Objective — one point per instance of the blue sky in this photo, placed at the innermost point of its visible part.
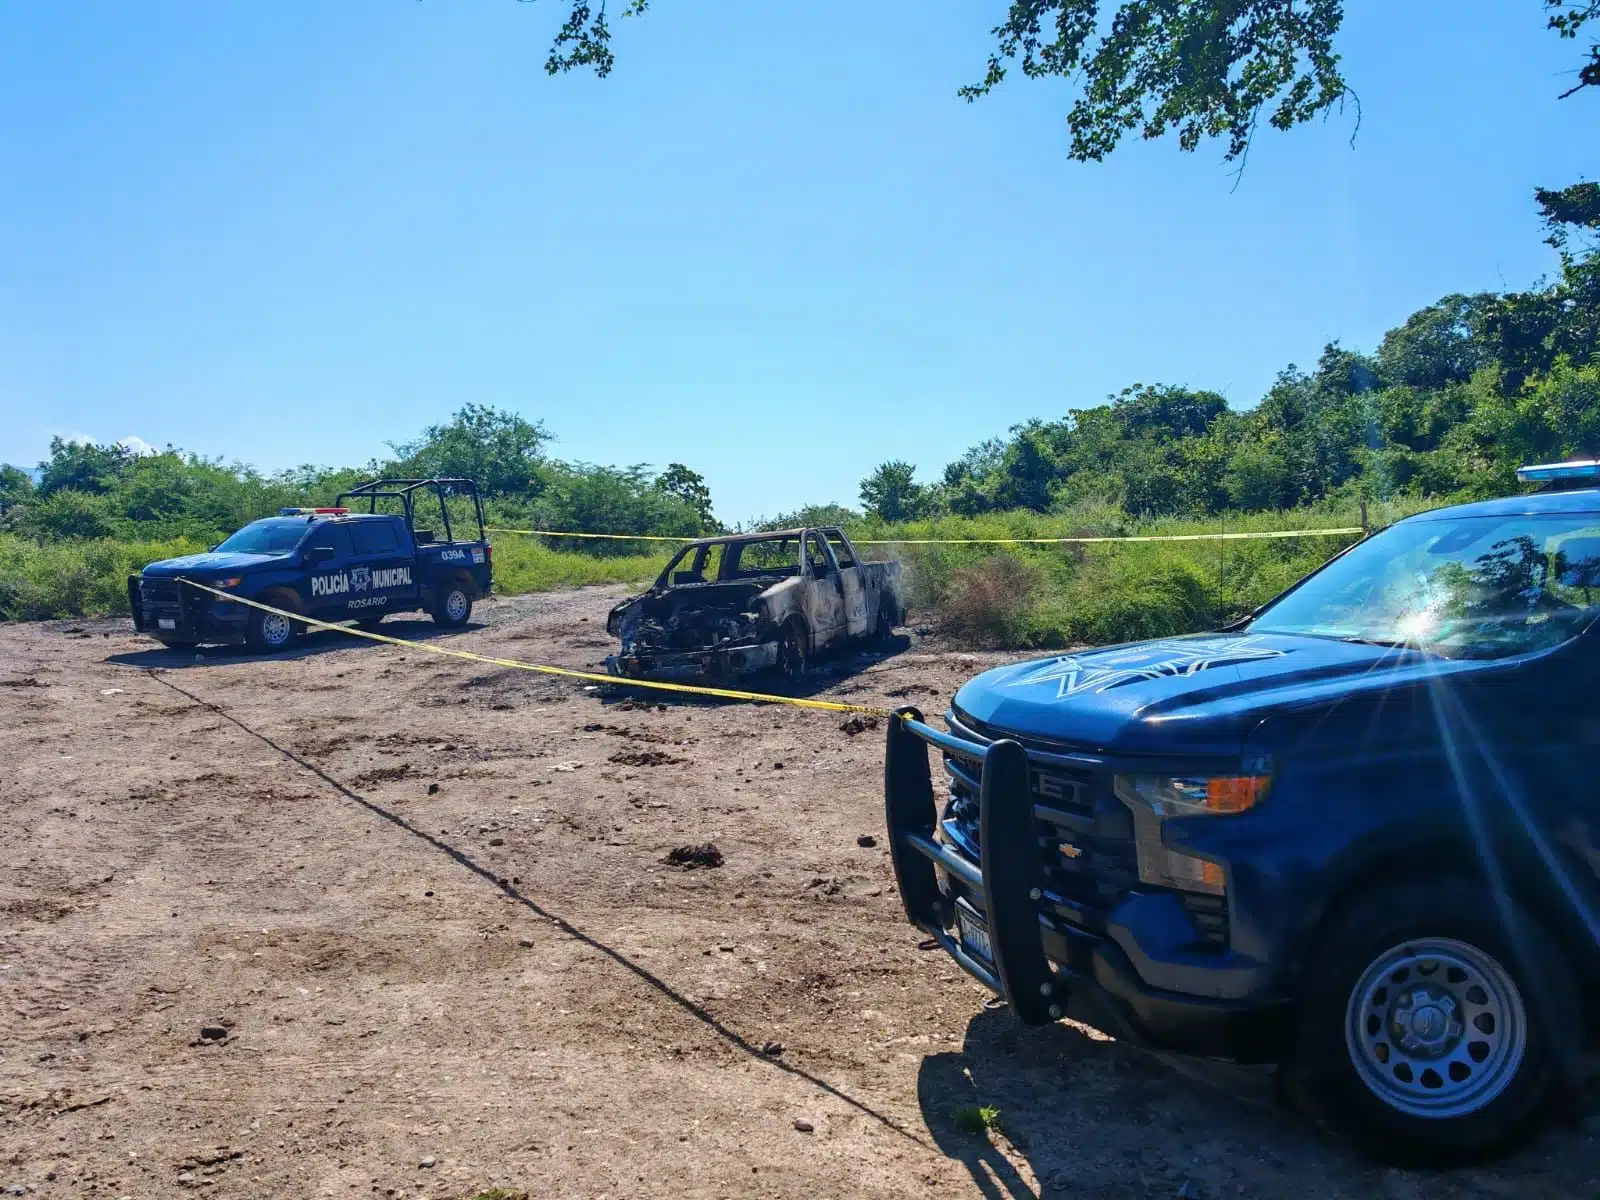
(772, 245)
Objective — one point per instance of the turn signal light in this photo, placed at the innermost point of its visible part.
(1235, 793)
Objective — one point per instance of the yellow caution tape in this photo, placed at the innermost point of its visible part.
(1091, 541)
(1007, 541)
(621, 681)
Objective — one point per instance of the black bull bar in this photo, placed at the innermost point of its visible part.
(1009, 880)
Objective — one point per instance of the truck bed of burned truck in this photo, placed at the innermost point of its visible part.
(735, 605)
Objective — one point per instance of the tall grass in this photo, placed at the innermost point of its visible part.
(1049, 596)
(89, 578)
(525, 564)
(74, 579)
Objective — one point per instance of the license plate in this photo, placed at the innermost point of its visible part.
(166, 623)
(974, 933)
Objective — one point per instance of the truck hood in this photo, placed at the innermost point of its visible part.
(208, 563)
(1198, 695)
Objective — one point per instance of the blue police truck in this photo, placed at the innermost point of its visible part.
(334, 564)
(1356, 834)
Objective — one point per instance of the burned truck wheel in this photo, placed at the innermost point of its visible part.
(794, 653)
(884, 631)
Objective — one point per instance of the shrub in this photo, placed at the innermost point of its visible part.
(987, 603)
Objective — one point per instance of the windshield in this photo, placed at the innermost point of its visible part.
(722, 562)
(1482, 587)
(272, 536)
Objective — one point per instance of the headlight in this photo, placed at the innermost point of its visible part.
(230, 581)
(1153, 798)
(1193, 795)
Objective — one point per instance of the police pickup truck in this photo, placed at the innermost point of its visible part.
(1356, 834)
(333, 563)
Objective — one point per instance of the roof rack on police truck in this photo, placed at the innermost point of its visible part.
(404, 490)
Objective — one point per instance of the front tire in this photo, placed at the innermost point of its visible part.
(1434, 1028)
(794, 655)
(269, 633)
(454, 606)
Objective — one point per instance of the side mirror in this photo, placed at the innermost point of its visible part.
(318, 555)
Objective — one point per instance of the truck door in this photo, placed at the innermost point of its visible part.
(860, 600)
(329, 589)
(383, 568)
(825, 607)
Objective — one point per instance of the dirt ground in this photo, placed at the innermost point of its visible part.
(419, 908)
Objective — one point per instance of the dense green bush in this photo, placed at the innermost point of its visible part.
(74, 579)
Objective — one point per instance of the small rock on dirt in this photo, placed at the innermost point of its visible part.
(692, 857)
(497, 841)
(212, 1033)
(803, 1125)
(859, 724)
(433, 789)
(866, 841)
(772, 1049)
(427, 1162)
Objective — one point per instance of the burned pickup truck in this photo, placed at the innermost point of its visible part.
(729, 606)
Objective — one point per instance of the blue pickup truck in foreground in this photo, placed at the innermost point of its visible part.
(333, 564)
(1356, 834)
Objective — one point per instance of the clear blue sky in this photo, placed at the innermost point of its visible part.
(773, 245)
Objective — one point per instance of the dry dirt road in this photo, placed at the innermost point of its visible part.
(366, 921)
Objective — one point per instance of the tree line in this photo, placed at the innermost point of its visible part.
(90, 491)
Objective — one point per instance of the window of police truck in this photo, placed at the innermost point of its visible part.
(1472, 587)
(271, 536)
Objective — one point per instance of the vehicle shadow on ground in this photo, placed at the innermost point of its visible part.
(310, 644)
(464, 860)
(1096, 1117)
(824, 673)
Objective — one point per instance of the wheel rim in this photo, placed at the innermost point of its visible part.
(455, 606)
(275, 630)
(1436, 1028)
(794, 654)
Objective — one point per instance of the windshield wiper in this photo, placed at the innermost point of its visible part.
(1388, 643)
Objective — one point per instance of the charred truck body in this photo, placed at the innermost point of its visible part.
(731, 606)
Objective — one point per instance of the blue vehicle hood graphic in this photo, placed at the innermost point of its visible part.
(210, 563)
(1198, 695)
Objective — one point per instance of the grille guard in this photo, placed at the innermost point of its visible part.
(1010, 878)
